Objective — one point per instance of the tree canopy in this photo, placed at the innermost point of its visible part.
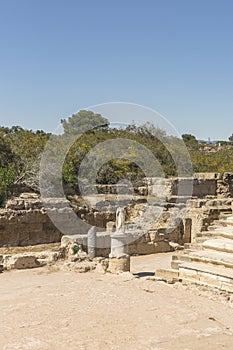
(190, 141)
(82, 122)
(21, 151)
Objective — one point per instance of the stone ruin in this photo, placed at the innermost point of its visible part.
(24, 220)
(207, 260)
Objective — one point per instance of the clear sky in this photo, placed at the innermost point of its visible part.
(174, 56)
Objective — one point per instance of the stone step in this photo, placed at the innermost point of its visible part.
(199, 273)
(192, 246)
(201, 240)
(205, 234)
(228, 229)
(219, 257)
(204, 274)
(216, 233)
(224, 215)
(223, 245)
(215, 227)
(205, 256)
(190, 250)
(223, 223)
(219, 223)
(167, 274)
(175, 264)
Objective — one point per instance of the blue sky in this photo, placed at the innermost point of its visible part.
(174, 56)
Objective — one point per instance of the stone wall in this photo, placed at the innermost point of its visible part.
(24, 220)
(204, 184)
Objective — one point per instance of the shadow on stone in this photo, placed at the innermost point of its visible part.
(144, 274)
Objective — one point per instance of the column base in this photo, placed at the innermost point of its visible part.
(118, 265)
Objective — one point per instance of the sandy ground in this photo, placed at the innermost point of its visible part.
(49, 310)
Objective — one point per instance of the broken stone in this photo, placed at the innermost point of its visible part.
(20, 261)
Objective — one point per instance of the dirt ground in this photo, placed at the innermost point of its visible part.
(46, 309)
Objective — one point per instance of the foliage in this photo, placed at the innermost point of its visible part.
(75, 249)
(7, 178)
(7, 156)
(220, 161)
(190, 141)
(82, 122)
(21, 150)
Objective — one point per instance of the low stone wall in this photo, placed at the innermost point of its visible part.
(24, 220)
(24, 228)
(139, 246)
(202, 184)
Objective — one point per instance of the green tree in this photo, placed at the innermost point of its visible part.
(7, 156)
(82, 122)
(7, 178)
(22, 149)
(190, 141)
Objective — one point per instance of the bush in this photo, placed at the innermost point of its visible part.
(7, 177)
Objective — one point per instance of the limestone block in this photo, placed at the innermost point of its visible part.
(146, 248)
(226, 286)
(175, 246)
(162, 247)
(103, 252)
(29, 195)
(20, 261)
(118, 265)
(133, 248)
(209, 279)
(47, 257)
(185, 273)
(102, 265)
(225, 279)
(224, 245)
(167, 274)
(82, 255)
(67, 240)
(15, 204)
(175, 264)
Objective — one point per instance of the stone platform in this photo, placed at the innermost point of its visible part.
(208, 261)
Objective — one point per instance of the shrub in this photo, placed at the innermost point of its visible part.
(7, 177)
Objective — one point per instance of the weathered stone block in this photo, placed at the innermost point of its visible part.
(20, 261)
(119, 265)
(185, 273)
(209, 279)
(167, 274)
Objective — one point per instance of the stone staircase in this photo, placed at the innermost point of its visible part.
(207, 261)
